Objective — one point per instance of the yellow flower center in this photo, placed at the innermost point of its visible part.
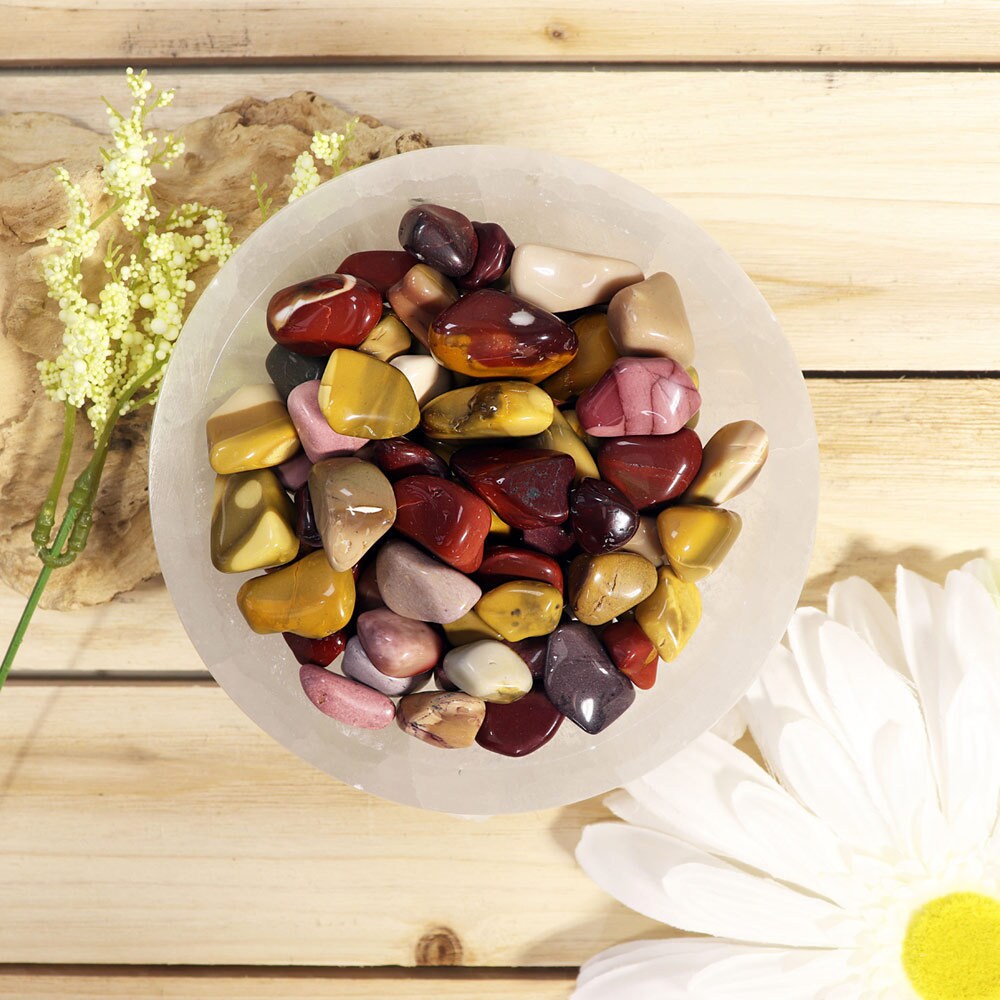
(952, 948)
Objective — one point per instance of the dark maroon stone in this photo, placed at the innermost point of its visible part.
(527, 487)
(305, 520)
(400, 457)
(367, 596)
(651, 470)
(440, 237)
(319, 651)
(520, 728)
(502, 563)
(533, 652)
(492, 258)
(380, 268)
(554, 539)
(602, 517)
(582, 682)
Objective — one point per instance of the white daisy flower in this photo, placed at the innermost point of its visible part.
(868, 866)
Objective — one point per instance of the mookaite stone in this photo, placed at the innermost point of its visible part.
(489, 670)
(602, 517)
(380, 268)
(400, 457)
(388, 340)
(419, 296)
(361, 396)
(286, 369)
(415, 585)
(426, 377)
(488, 410)
(489, 334)
(646, 541)
(527, 487)
(308, 597)
(492, 256)
(305, 520)
(638, 396)
(448, 520)
(398, 646)
(441, 237)
(670, 615)
(507, 562)
(469, 628)
(319, 440)
(448, 720)
(596, 353)
(357, 665)
(632, 652)
(369, 596)
(316, 316)
(293, 473)
(582, 682)
(521, 609)
(533, 651)
(322, 651)
(354, 506)
(560, 436)
(251, 430)
(252, 523)
(560, 280)
(650, 318)
(520, 728)
(345, 700)
(553, 539)
(603, 587)
(696, 539)
(651, 470)
(730, 463)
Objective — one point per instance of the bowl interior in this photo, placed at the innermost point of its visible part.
(747, 370)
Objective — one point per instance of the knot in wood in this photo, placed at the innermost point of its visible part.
(440, 946)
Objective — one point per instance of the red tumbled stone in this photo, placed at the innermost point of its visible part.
(527, 487)
(441, 237)
(632, 652)
(521, 727)
(400, 457)
(446, 519)
(492, 258)
(380, 268)
(506, 562)
(554, 539)
(651, 470)
(322, 651)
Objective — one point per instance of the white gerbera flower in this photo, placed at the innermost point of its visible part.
(869, 865)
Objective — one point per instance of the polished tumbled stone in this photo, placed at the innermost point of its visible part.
(415, 585)
(650, 318)
(357, 665)
(603, 587)
(319, 439)
(251, 430)
(731, 461)
(448, 720)
(561, 436)
(697, 539)
(252, 523)
(595, 354)
(427, 378)
(520, 728)
(603, 519)
(489, 670)
(441, 237)
(670, 615)
(286, 369)
(651, 470)
(489, 410)
(388, 340)
(346, 700)
(521, 609)
(398, 646)
(492, 256)
(419, 296)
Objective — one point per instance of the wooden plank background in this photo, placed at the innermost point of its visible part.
(145, 820)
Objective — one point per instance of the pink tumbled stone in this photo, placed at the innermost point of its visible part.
(295, 472)
(319, 439)
(639, 396)
(345, 700)
(398, 646)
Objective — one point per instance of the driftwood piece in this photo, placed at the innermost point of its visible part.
(222, 152)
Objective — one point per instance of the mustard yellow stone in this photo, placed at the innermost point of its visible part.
(308, 598)
(595, 355)
(252, 523)
(521, 609)
(388, 340)
(469, 628)
(498, 526)
(670, 615)
(560, 436)
(696, 539)
(603, 587)
(577, 428)
(361, 396)
(488, 410)
(251, 430)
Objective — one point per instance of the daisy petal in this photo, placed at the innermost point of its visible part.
(987, 572)
(973, 625)
(858, 605)
(706, 969)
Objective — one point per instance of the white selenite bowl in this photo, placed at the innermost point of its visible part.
(747, 370)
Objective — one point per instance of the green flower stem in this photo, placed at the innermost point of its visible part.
(46, 519)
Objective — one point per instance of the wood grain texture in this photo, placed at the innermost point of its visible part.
(909, 471)
(863, 204)
(248, 983)
(149, 31)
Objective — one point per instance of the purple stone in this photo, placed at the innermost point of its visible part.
(534, 652)
(582, 682)
(295, 472)
(439, 237)
(358, 666)
(492, 258)
(602, 517)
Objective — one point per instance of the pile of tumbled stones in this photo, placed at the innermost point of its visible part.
(475, 471)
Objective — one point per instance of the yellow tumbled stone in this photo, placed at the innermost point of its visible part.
(488, 410)
(577, 428)
(602, 587)
(388, 340)
(498, 526)
(308, 598)
(670, 615)
(252, 523)
(595, 355)
(521, 609)
(560, 436)
(696, 539)
(469, 628)
(251, 430)
(361, 396)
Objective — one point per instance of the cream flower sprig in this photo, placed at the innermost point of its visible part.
(864, 862)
